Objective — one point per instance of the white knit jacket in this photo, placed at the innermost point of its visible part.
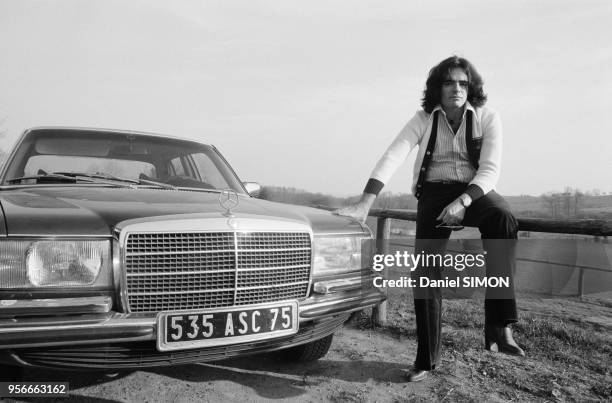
(417, 131)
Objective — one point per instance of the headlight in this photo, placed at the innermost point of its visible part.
(54, 263)
(334, 255)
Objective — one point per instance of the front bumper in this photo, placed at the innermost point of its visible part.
(143, 354)
(78, 321)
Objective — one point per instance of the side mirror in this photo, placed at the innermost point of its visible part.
(252, 188)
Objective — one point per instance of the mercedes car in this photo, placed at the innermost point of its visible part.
(127, 250)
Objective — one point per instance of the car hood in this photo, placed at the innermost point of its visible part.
(96, 211)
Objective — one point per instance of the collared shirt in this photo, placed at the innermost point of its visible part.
(450, 160)
(487, 125)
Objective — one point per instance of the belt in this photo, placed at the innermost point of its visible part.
(446, 183)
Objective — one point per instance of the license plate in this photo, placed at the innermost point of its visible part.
(180, 330)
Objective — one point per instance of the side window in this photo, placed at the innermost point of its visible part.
(209, 173)
(176, 167)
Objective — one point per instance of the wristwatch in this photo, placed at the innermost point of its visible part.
(465, 200)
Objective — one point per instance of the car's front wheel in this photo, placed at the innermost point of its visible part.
(10, 373)
(308, 352)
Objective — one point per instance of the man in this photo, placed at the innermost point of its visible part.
(457, 167)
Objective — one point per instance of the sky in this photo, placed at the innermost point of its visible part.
(308, 94)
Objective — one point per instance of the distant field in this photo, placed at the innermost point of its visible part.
(596, 206)
(567, 205)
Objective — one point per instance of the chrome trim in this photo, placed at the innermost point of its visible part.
(220, 341)
(312, 263)
(118, 327)
(207, 223)
(326, 287)
(111, 184)
(204, 252)
(342, 302)
(235, 269)
(177, 292)
(97, 304)
(121, 276)
(204, 223)
(274, 249)
(295, 266)
(273, 285)
(170, 273)
(228, 202)
(112, 320)
(47, 237)
(142, 328)
(335, 234)
(150, 357)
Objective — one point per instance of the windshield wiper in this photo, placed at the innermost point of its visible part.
(106, 176)
(97, 176)
(105, 179)
(47, 176)
(158, 184)
(74, 177)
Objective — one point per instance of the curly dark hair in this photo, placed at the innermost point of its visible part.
(439, 73)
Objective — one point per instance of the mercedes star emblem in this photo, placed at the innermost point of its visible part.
(228, 199)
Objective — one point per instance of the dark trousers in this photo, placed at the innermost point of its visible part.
(491, 214)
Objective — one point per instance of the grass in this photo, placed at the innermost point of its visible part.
(567, 358)
(579, 345)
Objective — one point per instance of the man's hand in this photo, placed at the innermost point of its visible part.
(452, 214)
(359, 210)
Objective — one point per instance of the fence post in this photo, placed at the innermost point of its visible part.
(596, 239)
(581, 282)
(383, 232)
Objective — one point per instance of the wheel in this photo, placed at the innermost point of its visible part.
(308, 352)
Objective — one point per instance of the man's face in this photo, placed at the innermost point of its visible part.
(455, 89)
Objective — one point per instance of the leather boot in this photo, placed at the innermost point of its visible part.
(499, 339)
(416, 375)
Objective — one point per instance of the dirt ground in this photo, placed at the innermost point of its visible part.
(365, 364)
(362, 365)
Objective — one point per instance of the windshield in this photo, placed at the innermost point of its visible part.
(134, 157)
(90, 165)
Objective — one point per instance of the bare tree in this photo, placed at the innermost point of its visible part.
(563, 204)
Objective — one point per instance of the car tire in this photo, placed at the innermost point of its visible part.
(11, 373)
(308, 352)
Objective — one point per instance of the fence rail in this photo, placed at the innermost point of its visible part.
(594, 227)
(566, 226)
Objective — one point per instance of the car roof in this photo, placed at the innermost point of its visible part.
(106, 131)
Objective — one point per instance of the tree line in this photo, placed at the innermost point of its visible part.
(570, 203)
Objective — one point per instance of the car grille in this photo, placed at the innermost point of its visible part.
(171, 271)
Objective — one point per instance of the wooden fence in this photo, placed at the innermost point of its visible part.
(597, 228)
